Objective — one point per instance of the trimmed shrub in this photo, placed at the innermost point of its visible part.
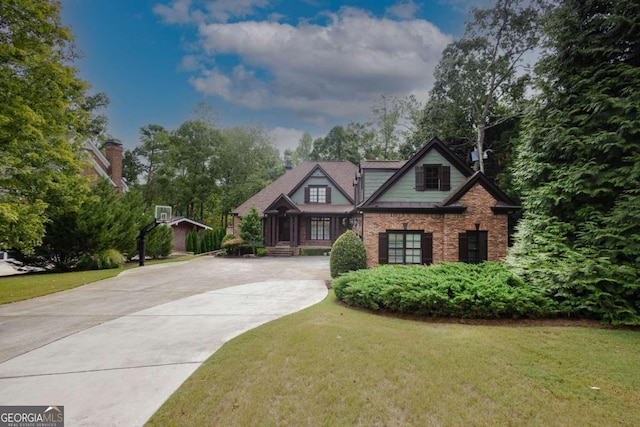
(314, 251)
(484, 291)
(261, 252)
(347, 254)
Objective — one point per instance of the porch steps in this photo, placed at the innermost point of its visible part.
(280, 251)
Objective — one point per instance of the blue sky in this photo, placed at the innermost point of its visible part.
(288, 65)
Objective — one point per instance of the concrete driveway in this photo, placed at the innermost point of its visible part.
(113, 351)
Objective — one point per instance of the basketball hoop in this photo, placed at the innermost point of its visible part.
(163, 214)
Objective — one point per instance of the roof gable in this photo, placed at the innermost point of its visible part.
(341, 174)
(283, 202)
(433, 144)
(502, 200)
(312, 173)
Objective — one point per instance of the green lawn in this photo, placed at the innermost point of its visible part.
(32, 285)
(330, 365)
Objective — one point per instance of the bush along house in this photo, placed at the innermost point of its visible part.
(432, 208)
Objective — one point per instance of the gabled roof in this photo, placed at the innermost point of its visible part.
(282, 201)
(433, 144)
(318, 167)
(340, 173)
(180, 219)
(503, 202)
(382, 164)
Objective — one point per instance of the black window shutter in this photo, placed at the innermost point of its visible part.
(427, 248)
(383, 248)
(445, 179)
(463, 247)
(483, 245)
(328, 195)
(419, 178)
(307, 196)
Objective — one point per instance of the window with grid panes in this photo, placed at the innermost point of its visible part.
(318, 194)
(320, 229)
(405, 248)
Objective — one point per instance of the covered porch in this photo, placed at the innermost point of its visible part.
(288, 227)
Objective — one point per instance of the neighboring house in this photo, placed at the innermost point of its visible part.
(429, 209)
(181, 226)
(310, 205)
(432, 208)
(107, 166)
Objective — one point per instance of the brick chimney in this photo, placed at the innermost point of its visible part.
(113, 151)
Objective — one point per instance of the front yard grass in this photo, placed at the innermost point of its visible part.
(330, 365)
(31, 285)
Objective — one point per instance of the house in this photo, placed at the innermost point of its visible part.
(431, 208)
(107, 166)
(309, 206)
(181, 226)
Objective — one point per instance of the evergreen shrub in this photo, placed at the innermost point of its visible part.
(485, 291)
(347, 254)
(160, 242)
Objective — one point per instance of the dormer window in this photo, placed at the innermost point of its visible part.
(317, 194)
(433, 177)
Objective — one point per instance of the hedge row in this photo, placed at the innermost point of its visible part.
(488, 290)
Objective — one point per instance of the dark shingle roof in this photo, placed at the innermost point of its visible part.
(382, 164)
(341, 172)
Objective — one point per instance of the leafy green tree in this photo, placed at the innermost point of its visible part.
(193, 152)
(150, 159)
(251, 229)
(41, 114)
(579, 163)
(302, 151)
(395, 120)
(477, 83)
(246, 163)
(335, 146)
(131, 167)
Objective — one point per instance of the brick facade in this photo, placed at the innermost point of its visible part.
(445, 227)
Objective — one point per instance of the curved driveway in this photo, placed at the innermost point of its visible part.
(113, 351)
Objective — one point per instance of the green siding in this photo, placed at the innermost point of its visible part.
(318, 178)
(404, 189)
(373, 179)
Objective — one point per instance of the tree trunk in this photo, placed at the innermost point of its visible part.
(480, 145)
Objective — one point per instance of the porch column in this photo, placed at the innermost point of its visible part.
(294, 231)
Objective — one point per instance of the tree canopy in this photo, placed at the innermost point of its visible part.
(579, 162)
(41, 120)
(478, 83)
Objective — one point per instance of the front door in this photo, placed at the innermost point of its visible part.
(284, 229)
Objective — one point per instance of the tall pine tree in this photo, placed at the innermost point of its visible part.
(579, 163)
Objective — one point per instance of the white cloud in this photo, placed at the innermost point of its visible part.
(404, 9)
(185, 11)
(177, 13)
(317, 71)
(286, 138)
